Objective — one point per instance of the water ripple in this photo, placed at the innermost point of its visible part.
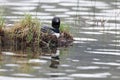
(57, 10)
(85, 39)
(95, 75)
(32, 13)
(107, 63)
(103, 53)
(3, 70)
(18, 4)
(15, 78)
(87, 67)
(62, 78)
(24, 8)
(21, 74)
(47, 6)
(59, 74)
(37, 61)
(12, 65)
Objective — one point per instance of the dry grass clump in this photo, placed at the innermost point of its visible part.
(27, 27)
(26, 31)
(2, 25)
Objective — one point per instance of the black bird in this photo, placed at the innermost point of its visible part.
(54, 29)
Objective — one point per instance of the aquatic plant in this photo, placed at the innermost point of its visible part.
(2, 25)
(64, 27)
(27, 29)
(27, 33)
(2, 22)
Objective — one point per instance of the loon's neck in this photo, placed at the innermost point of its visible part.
(56, 32)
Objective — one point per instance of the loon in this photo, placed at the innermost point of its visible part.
(54, 30)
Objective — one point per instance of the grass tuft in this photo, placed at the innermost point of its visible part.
(2, 22)
(64, 27)
(27, 29)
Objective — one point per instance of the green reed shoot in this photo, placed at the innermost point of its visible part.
(64, 27)
(2, 22)
(33, 24)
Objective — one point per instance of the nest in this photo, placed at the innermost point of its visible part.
(27, 33)
(21, 38)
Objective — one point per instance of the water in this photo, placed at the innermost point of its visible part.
(93, 56)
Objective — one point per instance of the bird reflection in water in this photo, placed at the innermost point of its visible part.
(55, 59)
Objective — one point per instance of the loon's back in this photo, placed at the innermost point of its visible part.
(47, 29)
(50, 30)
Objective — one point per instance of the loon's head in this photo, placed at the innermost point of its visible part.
(56, 24)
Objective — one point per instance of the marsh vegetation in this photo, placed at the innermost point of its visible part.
(27, 33)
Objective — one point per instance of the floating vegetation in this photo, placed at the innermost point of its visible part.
(27, 33)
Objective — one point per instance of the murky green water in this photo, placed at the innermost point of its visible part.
(93, 56)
